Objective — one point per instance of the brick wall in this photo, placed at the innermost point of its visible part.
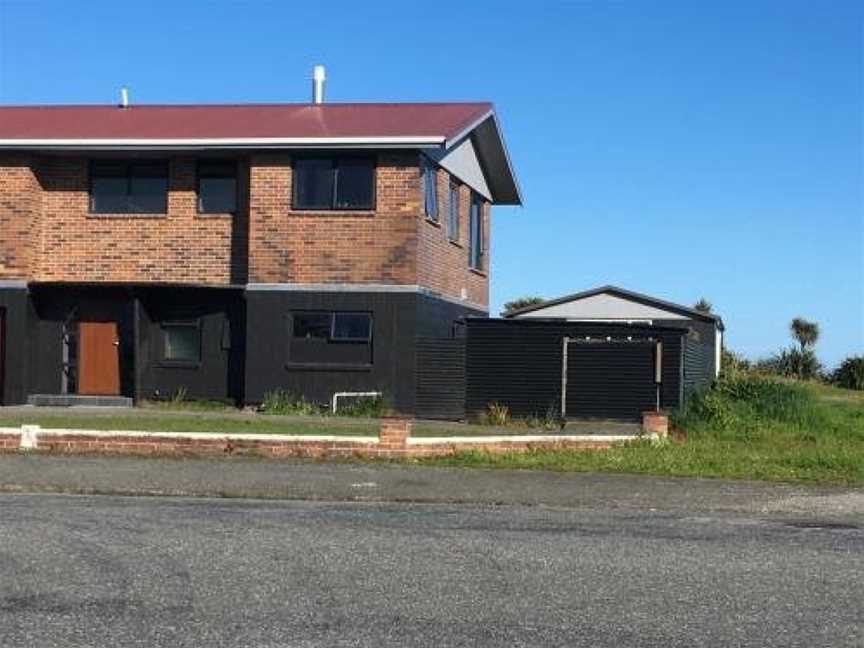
(48, 234)
(181, 246)
(442, 263)
(20, 209)
(334, 246)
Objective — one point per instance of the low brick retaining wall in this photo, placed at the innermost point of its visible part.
(394, 440)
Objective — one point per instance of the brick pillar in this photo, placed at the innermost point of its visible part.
(394, 432)
(654, 422)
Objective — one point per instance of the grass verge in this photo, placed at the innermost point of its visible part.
(745, 427)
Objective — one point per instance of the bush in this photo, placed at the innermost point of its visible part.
(497, 414)
(746, 401)
(850, 373)
(363, 406)
(791, 363)
(284, 402)
(732, 363)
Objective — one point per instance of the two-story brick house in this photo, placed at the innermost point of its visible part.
(229, 250)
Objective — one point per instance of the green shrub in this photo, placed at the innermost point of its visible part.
(746, 401)
(284, 402)
(363, 406)
(497, 414)
(732, 363)
(791, 363)
(850, 373)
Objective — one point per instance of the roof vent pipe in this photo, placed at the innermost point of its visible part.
(318, 78)
(124, 97)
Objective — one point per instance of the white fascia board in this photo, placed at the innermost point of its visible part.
(226, 142)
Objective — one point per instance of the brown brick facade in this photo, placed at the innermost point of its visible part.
(20, 210)
(288, 246)
(181, 246)
(48, 234)
(442, 264)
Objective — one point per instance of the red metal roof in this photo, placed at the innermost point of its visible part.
(239, 121)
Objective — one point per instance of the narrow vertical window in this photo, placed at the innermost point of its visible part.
(475, 250)
(453, 212)
(429, 175)
(217, 187)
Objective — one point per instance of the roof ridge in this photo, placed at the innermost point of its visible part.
(257, 104)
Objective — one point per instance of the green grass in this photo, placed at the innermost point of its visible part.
(745, 428)
(172, 422)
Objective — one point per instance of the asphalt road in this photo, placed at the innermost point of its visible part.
(143, 571)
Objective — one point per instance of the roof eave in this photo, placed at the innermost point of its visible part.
(210, 143)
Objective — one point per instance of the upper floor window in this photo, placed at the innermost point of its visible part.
(429, 176)
(217, 186)
(126, 187)
(334, 183)
(453, 212)
(475, 246)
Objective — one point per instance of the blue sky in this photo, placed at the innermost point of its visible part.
(680, 149)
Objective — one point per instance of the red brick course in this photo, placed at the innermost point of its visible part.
(393, 442)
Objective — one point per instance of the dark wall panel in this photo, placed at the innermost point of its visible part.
(440, 378)
(399, 318)
(16, 361)
(698, 365)
(220, 313)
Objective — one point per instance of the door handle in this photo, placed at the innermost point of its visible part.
(116, 343)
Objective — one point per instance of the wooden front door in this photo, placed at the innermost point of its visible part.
(98, 359)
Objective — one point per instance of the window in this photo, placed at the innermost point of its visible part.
(354, 327)
(338, 326)
(429, 176)
(453, 212)
(313, 325)
(475, 250)
(182, 341)
(217, 187)
(334, 183)
(327, 337)
(122, 187)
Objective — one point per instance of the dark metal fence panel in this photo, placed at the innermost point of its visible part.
(440, 378)
(610, 380)
(518, 362)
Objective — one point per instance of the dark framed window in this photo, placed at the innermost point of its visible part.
(475, 245)
(334, 183)
(217, 187)
(429, 180)
(311, 326)
(331, 337)
(453, 211)
(128, 187)
(181, 341)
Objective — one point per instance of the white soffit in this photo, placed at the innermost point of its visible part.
(603, 306)
(462, 161)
